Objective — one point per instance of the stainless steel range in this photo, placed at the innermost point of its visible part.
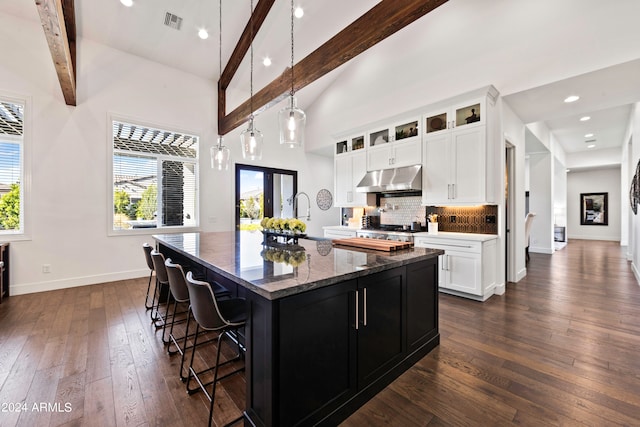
(388, 232)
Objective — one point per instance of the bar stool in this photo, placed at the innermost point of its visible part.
(162, 290)
(147, 255)
(180, 293)
(222, 316)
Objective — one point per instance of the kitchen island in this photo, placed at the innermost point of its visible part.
(328, 327)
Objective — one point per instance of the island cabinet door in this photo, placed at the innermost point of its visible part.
(317, 352)
(422, 303)
(381, 337)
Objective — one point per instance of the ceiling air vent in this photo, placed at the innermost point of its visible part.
(590, 141)
(173, 21)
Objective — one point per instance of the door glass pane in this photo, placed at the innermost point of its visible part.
(283, 196)
(251, 199)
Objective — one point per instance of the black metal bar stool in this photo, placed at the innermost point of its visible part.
(180, 293)
(162, 291)
(222, 316)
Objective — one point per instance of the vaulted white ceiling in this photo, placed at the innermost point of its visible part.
(606, 89)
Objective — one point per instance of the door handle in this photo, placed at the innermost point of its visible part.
(365, 306)
(357, 310)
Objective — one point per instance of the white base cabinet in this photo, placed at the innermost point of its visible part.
(467, 268)
(343, 233)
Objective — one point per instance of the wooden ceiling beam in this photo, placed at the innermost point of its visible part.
(380, 22)
(258, 16)
(59, 25)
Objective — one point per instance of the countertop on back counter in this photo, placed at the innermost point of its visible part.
(457, 236)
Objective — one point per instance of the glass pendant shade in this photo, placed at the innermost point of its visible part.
(292, 122)
(220, 156)
(252, 141)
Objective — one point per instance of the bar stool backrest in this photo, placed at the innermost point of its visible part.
(177, 281)
(203, 305)
(147, 255)
(158, 265)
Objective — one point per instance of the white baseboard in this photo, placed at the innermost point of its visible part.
(52, 285)
(521, 274)
(500, 289)
(539, 250)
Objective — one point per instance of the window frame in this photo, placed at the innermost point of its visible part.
(159, 158)
(23, 233)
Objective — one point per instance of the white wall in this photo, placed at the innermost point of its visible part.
(594, 181)
(68, 205)
(541, 202)
(514, 133)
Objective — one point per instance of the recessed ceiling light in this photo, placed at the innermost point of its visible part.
(588, 135)
(127, 3)
(572, 98)
(591, 145)
(585, 118)
(298, 12)
(266, 61)
(203, 34)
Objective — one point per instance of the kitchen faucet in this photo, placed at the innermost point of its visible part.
(293, 200)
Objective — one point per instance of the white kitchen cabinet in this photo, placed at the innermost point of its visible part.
(339, 233)
(455, 168)
(394, 155)
(461, 153)
(467, 268)
(396, 146)
(349, 169)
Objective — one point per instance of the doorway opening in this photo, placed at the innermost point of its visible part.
(263, 192)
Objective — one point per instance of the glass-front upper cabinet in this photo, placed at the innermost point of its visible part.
(460, 115)
(350, 144)
(406, 130)
(378, 138)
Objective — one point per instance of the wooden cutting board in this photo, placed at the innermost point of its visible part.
(379, 245)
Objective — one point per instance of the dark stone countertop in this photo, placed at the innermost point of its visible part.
(277, 272)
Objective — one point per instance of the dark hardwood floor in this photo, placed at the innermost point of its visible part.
(561, 347)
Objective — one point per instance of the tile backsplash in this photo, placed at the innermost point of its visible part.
(458, 219)
(399, 210)
(466, 219)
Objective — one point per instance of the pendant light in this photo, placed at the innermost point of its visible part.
(251, 139)
(220, 153)
(292, 119)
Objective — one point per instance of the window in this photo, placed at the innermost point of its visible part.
(11, 167)
(155, 175)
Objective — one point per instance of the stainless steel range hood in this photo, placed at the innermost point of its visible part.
(408, 178)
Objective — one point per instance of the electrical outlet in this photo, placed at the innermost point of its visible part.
(490, 219)
(46, 268)
(452, 218)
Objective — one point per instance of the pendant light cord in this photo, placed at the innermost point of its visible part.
(292, 90)
(251, 67)
(219, 58)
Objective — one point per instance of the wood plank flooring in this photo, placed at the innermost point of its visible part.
(561, 347)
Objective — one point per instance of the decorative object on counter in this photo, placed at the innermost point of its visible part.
(251, 139)
(374, 244)
(466, 219)
(220, 153)
(292, 119)
(282, 230)
(432, 225)
(324, 199)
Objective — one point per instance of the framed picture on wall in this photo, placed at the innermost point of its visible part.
(594, 209)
